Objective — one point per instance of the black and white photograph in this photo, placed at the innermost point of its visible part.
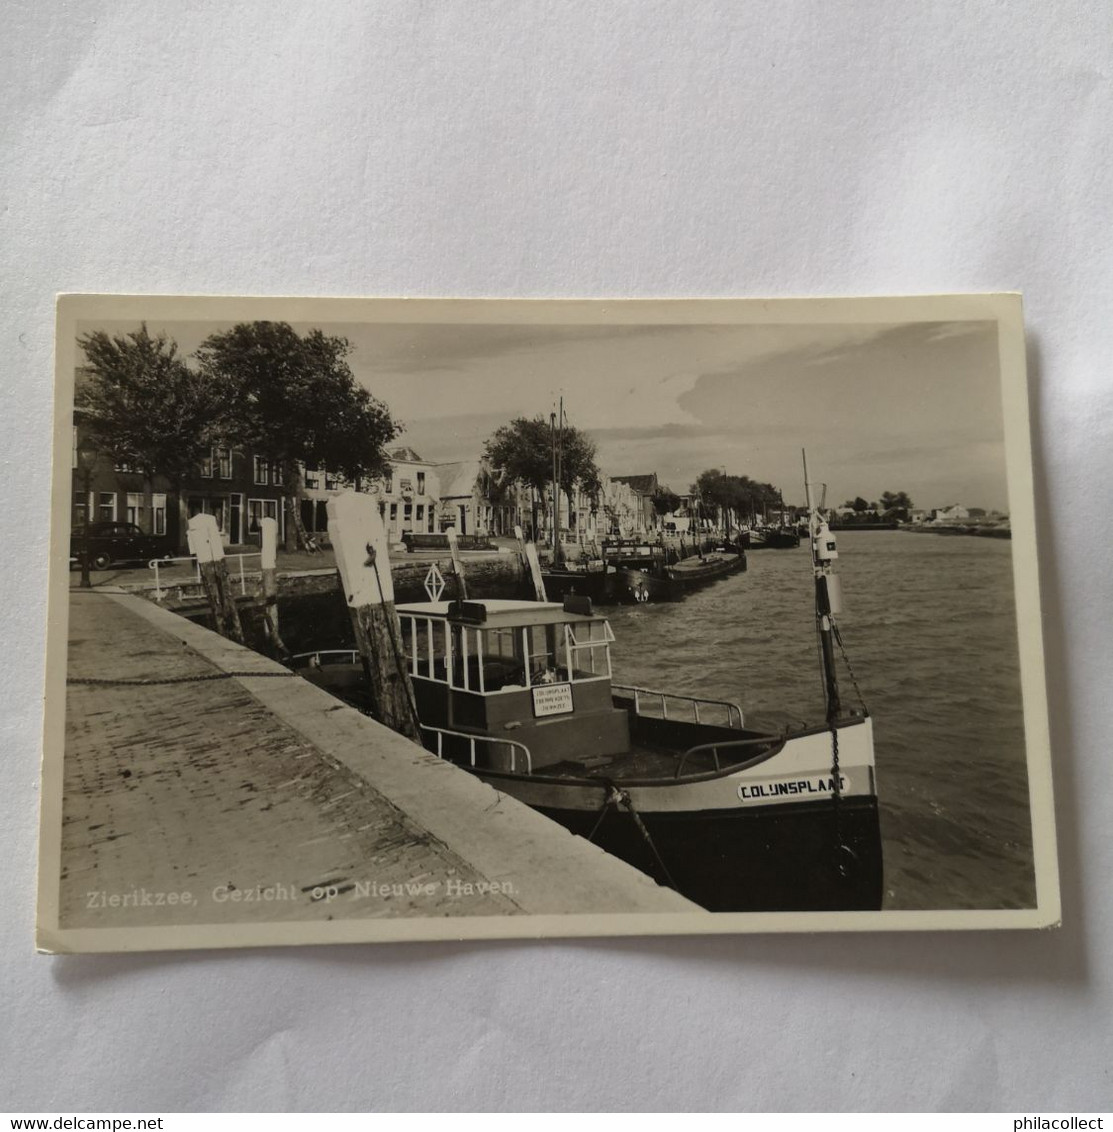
(385, 620)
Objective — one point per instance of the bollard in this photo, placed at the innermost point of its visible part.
(359, 540)
(457, 564)
(204, 543)
(269, 585)
(528, 551)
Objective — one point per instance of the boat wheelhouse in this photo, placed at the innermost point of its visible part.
(521, 694)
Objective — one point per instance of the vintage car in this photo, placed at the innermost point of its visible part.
(117, 542)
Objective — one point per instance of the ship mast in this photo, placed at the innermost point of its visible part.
(828, 596)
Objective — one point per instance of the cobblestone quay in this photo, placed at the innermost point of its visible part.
(229, 791)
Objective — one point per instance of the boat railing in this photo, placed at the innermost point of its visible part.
(727, 745)
(326, 656)
(695, 704)
(473, 739)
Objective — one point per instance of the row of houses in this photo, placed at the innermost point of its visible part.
(239, 488)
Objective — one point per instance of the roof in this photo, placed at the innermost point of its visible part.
(499, 612)
(458, 479)
(406, 454)
(644, 484)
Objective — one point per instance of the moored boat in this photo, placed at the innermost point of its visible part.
(736, 818)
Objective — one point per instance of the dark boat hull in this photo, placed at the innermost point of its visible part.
(772, 859)
(598, 585)
(692, 572)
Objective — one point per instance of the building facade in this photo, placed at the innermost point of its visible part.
(236, 487)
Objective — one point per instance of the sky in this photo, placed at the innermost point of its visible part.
(911, 407)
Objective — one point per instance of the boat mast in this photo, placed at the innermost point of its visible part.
(827, 595)
(556, 486)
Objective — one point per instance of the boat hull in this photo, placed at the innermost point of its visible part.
(598, 585)
(769, 859)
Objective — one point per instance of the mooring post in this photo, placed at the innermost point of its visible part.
(532, 564)
(203, 537)
(360, 543)
(457, 564)
(269, 584)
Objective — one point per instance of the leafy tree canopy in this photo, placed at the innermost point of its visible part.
(523, 450)
(737, 493)
(665, 502)
(293, 398)
(143, 406)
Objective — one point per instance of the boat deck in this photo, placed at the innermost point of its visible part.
(644, 761)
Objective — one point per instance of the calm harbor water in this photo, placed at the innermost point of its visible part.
(930, 629)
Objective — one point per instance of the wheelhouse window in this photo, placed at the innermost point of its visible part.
(511, 658)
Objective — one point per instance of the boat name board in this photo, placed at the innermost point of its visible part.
(784, 789)
(552, 699)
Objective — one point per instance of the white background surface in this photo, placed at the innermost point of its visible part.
(574, 149)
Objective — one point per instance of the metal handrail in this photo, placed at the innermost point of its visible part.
(513, 744)
(732, 709)
(729, 744)
(351, 654)
(155, 563)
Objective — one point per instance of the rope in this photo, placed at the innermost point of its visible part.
(616, 797)
(171, 679)
(410, 702)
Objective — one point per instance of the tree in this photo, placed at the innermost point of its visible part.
(896, 505)
(294, 401)
(144, 407)
(859, 504)
(665, 502)
(522, 451)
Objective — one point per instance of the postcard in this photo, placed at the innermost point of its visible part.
(407, 619)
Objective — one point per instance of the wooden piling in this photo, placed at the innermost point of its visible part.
(203, 537)
(457, 564)
(269, 586)
(360, 543)
(532, 564)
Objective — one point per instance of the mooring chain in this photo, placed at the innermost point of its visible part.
(147, 682)
(849, 666)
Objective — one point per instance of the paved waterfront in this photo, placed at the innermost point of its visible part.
(264, 785)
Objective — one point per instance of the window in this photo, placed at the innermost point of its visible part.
(207, 465)
(420, 484)
(82, 505)
(313, 478)
(106, 507)
(158, 509)
(420, 513)
(123, 466)
(260, 509)
(388, 481)
(224, 463)
(262, 471)
(408, 512)
(135, 508)
(332, 481)
(393, 512)
(382, 510)
(74, 452)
